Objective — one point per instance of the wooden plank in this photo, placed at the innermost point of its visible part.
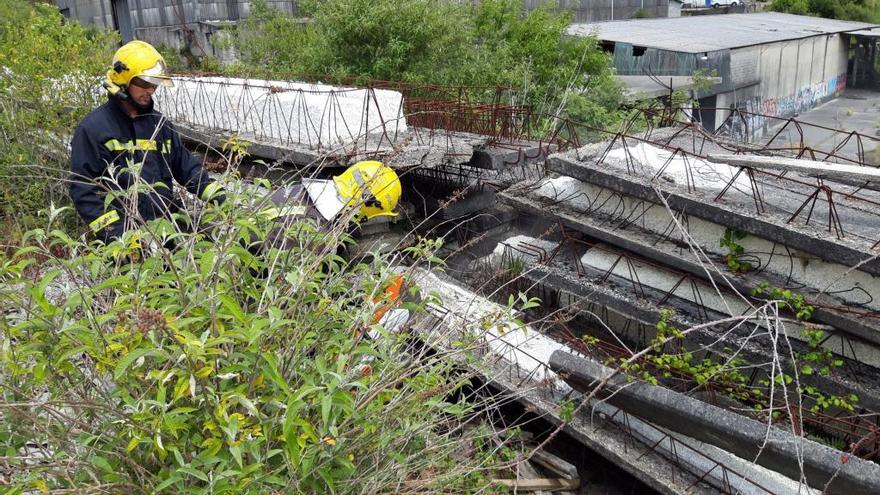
(526, 471)
(824, 170)
(555, 464)
(539, 484)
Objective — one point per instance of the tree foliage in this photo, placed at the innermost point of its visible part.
(852, 10)
(49, 72)
(493, 42)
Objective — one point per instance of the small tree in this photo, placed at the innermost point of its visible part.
(50, 73)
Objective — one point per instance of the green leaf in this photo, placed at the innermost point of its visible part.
(174, 478)
(132, 444)
(326, 407)
(232, 306)
(102, 464)
(195, 473)
(235, 450)
(270, 369)
(130, 358)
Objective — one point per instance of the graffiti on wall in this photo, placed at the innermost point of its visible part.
(756, 110)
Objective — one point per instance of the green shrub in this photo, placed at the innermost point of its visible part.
(854, 10)
(216, 367)
(492, 42)
(49, 76)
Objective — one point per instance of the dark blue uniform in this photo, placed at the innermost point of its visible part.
(108, 135)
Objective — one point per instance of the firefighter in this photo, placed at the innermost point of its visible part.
(368, 189)
(126, 138)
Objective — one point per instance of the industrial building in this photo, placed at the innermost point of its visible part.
(180, 25)
(769, 63)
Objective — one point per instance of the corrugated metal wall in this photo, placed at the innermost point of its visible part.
(605, 10)
(160, 13)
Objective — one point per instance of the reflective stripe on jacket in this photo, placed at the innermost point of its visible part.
(108, 135)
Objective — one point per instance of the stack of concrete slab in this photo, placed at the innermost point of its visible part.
(638, 229)
(662, 206)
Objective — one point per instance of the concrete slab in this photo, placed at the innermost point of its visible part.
(694, 456)
(495, 325)
(738, 475)
(711, 297)
(789, 264)
(735, 212)
(314, 115)
(835, 172)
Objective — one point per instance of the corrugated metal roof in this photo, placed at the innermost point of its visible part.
(868, 33)
(707, 33)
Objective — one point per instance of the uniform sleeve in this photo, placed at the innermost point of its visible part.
(86, 168)
(189, 173)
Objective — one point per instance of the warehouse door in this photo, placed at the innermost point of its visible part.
(122, 19)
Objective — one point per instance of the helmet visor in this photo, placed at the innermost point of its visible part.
(156, 75)
(156, 80)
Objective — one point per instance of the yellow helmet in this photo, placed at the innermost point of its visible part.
(136, 59)
(371, 186)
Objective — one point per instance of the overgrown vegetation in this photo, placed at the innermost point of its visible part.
(852, 10)
(431, 41)
(669, 359)
(220, 365)
(49, 74)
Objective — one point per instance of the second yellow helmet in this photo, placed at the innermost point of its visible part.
(371, 186)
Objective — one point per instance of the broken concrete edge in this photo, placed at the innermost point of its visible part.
(648, 315)
(771, 447)
(718, 213)
(850, 324)
(296, 155)
(539, 394)
(500, 157)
